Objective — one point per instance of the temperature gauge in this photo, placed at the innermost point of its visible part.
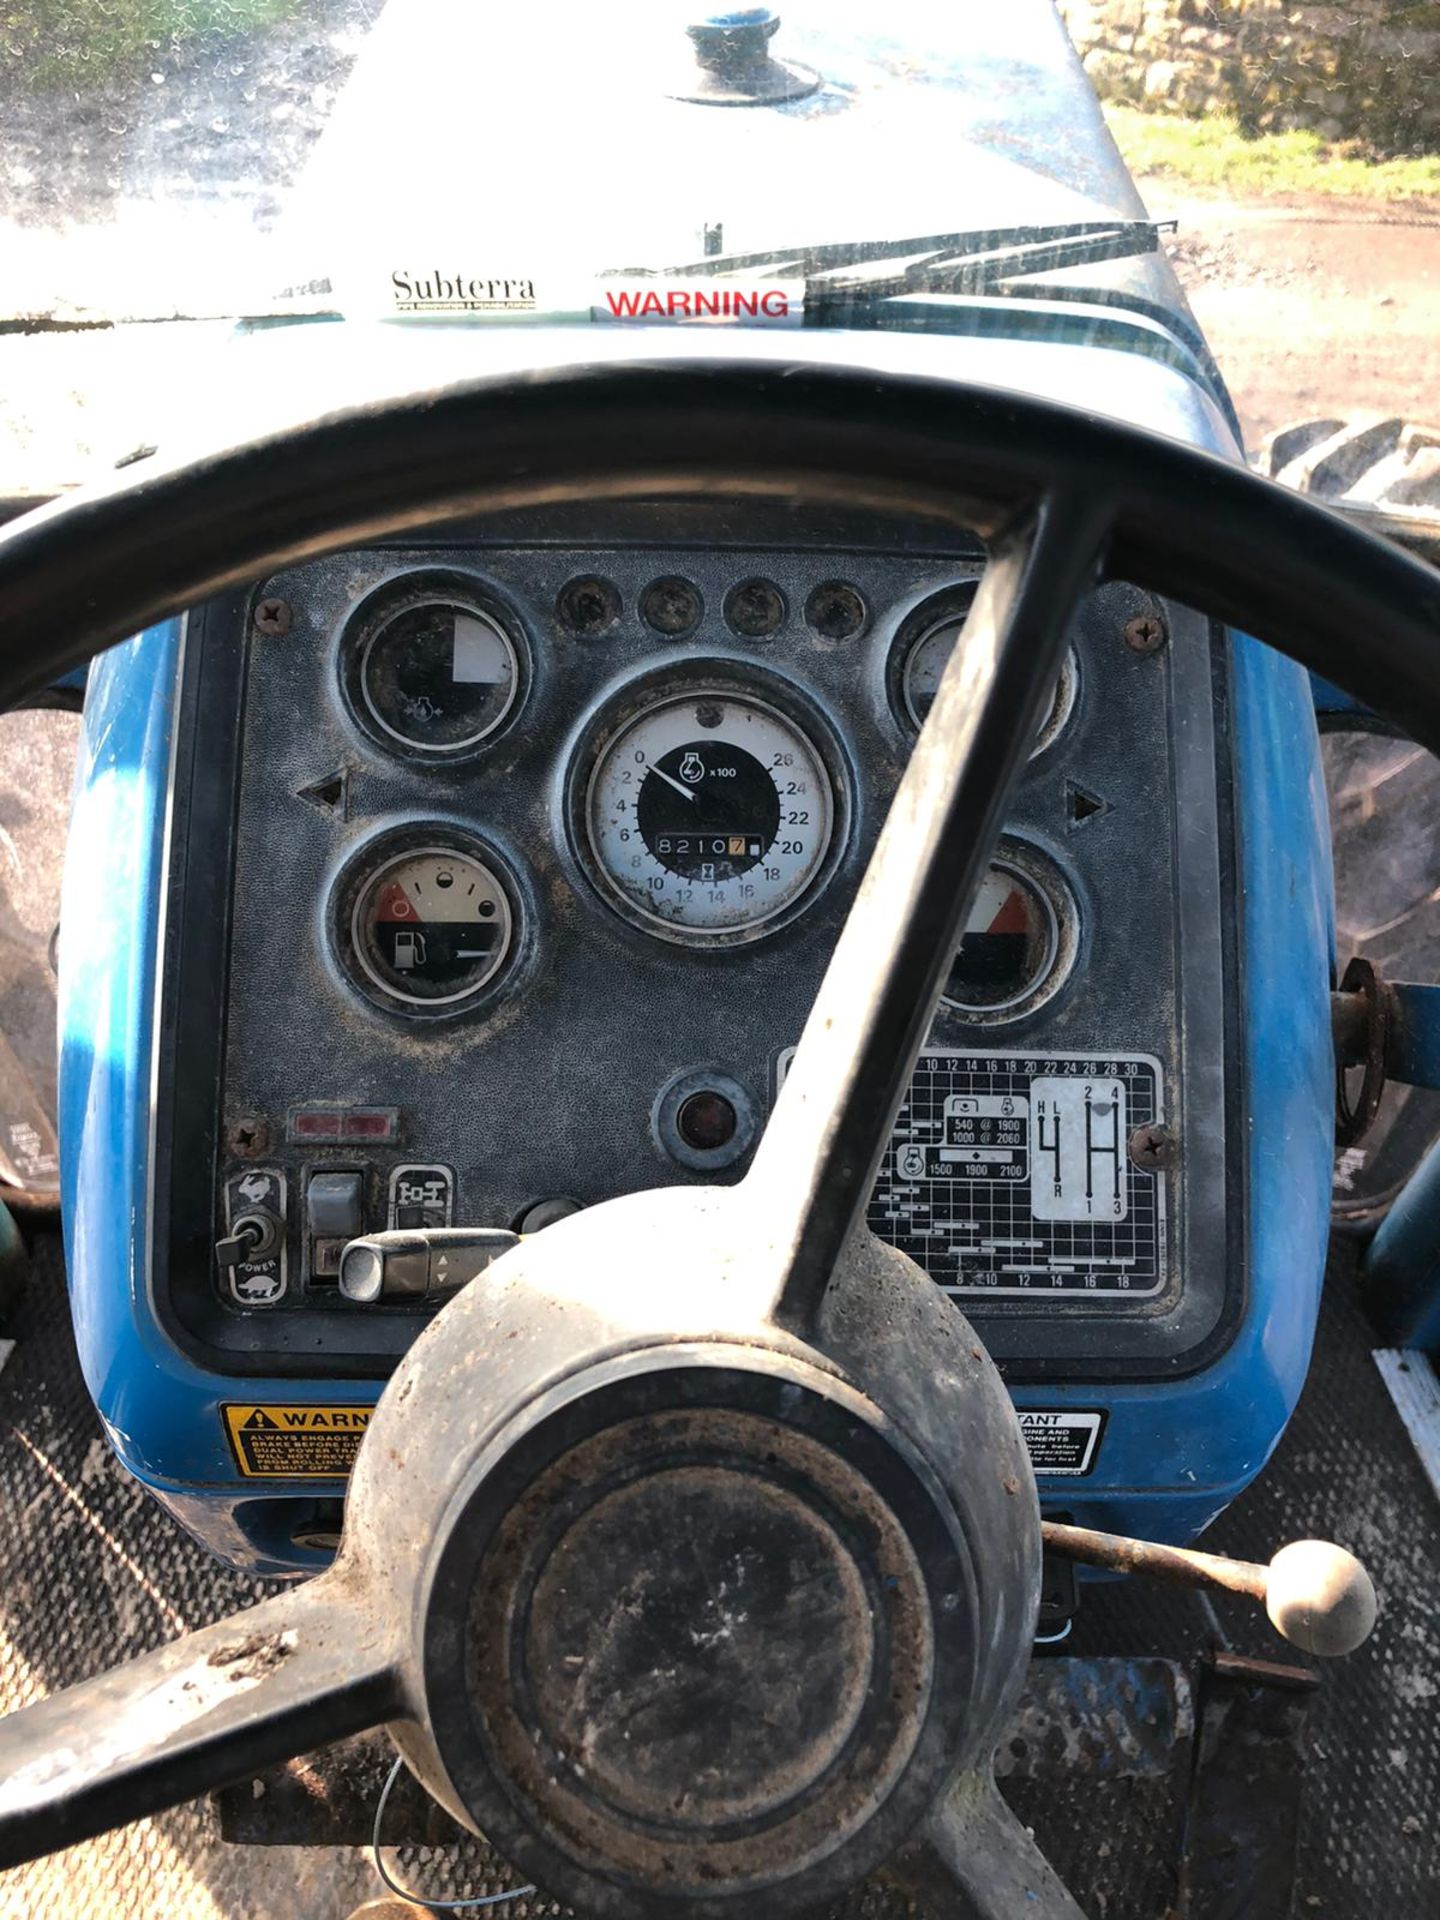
(434, 672)
(426, 926)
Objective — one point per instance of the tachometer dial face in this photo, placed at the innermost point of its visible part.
(438, 677)
(431, 926)
(710, 815)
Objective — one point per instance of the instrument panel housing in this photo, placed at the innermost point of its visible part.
(549, 1086)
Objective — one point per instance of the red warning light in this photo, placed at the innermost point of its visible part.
(395, 904)
(344, 1126)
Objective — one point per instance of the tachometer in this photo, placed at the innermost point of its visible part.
(709, 815)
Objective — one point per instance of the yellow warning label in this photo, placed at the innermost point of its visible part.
(294, 1442)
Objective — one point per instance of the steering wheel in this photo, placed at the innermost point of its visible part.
(693, 1552)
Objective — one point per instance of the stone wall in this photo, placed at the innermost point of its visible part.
(1368, 70)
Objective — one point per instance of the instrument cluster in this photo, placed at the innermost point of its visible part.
(707, 800)
(512, 868)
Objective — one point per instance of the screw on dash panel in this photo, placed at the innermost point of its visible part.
(247, 1137)
(1154, 1148)
(272, 617)
(1146, 633)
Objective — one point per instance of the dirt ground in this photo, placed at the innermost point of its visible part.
(1326, 308)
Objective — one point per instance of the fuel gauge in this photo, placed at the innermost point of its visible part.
(425, 926)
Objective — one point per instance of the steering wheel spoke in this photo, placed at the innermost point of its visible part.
(818, 1160)
(305, 1668)
(974, 1860)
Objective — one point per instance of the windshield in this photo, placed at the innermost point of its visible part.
(1265, 188)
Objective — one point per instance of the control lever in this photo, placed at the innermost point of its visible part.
(254, 1236)
(414, 1264)
(1318, 1596)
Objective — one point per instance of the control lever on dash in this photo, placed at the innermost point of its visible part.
(419, 1265)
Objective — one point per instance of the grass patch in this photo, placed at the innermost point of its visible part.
(1214, 154)
(86, 44)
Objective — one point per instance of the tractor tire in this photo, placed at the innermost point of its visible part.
(1372, 461)
(1384, 793)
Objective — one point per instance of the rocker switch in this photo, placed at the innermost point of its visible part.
(335, 1205)
(334, 1213)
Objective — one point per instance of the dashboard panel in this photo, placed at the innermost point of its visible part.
(504, 872)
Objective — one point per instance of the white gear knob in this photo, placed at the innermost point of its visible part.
(1320, 1598)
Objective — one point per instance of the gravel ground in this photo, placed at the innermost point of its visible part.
(1321, 308)
(233, 115)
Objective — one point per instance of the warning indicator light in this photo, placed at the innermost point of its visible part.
(344, 1126)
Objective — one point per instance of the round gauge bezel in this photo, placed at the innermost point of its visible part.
(776, 698)
(368, 620)
(939, 610)
(1062, 912)
(366, 866)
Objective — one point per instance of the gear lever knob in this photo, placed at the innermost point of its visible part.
(1318, 1596)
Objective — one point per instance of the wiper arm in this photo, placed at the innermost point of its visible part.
(929, 263)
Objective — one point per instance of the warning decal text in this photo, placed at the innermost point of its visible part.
(1063, 1442)
(300, 1442)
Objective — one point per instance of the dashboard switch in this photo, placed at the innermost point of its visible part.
(335, 1205)
(251, 1254)
(421, 1197)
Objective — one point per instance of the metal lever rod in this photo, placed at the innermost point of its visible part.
(1318, 1596)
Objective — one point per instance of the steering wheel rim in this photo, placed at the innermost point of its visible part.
(104, 562)
(1062, 499)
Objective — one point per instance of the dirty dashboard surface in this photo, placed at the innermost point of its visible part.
(508, 870)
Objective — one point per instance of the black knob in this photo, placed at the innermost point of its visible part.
(733, 36)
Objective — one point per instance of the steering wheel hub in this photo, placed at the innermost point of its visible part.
(701, 1642)
(706, 1621)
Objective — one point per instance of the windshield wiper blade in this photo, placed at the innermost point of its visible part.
(929, 263)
